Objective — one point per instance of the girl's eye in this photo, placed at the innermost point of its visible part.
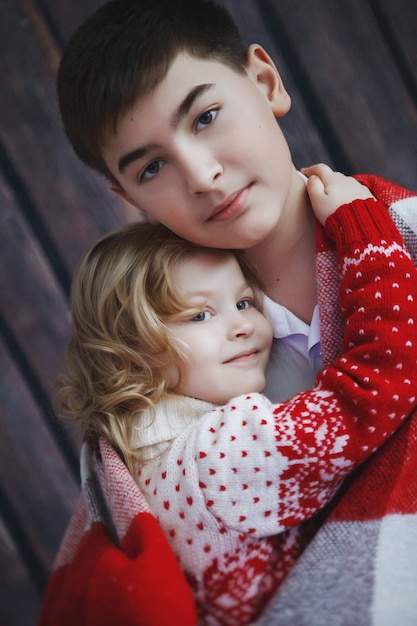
(206, 119)
(201, 317)
(242, 305)
(151, 170)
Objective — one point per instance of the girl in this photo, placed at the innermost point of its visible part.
(167, 359)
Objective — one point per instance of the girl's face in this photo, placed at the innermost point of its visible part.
(228, 342)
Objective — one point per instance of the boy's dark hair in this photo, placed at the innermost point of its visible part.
(123, 51)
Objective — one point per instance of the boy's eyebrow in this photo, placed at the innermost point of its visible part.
(182, 110)
(134, 155)
(188, 102)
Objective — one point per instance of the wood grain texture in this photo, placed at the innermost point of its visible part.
(351, 70)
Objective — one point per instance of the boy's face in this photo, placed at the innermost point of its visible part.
(228, 342)
(203, 153)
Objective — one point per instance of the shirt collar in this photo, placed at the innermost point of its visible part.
(284, 323)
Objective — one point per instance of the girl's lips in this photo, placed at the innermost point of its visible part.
(232, 207)
(243, 357)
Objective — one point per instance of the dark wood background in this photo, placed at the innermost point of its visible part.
(351, 68)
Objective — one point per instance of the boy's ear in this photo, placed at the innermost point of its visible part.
(262, 70)
(120, 191)
(125, 196)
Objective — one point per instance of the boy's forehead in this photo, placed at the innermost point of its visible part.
(187, 69)
(187, 79)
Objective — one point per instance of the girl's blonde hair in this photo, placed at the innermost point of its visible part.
(123, 292)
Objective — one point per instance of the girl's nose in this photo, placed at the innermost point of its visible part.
(241, 326)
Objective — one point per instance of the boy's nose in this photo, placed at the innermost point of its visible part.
(201, 171)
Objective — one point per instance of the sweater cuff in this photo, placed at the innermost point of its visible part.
(362, 221)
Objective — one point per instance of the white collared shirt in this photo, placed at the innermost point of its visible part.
(295, 356)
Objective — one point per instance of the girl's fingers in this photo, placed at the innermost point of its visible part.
(319, 169)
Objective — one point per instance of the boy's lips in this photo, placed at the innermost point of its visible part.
(232, 206)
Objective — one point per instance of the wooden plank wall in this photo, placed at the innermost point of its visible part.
(351, 68)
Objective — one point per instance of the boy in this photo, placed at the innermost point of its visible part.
(163, 99)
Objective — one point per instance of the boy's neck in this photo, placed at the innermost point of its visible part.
(287, 260)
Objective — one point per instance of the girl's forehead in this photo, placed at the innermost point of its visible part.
(208, 270)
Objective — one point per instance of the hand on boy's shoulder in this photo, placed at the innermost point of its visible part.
(328, 190)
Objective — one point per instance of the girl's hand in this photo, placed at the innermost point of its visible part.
(328, 190)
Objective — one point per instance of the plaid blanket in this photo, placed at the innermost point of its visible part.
(361, 567)
(116, 568)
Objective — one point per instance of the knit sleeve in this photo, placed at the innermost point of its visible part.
(262, 468)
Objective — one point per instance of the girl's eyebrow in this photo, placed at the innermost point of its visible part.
(179, 114)
(207, 293)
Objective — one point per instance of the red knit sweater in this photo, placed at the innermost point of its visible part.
(232, 489)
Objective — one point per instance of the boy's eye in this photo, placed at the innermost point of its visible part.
(201, 317)
(242, 305)
(151, 170)
(206, 119)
